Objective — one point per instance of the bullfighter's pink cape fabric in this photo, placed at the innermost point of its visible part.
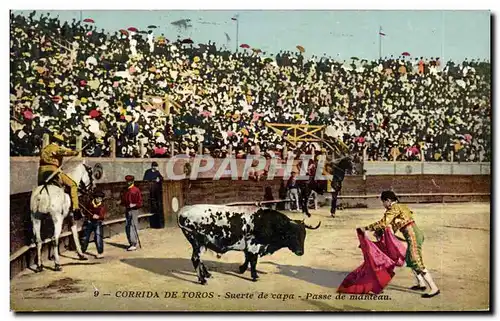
(392, 247)
(377, 270)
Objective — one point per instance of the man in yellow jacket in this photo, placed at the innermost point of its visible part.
(400, 218)
(51, 158)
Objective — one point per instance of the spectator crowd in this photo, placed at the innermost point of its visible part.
(142, 89)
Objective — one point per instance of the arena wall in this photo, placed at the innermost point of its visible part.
(419, 168)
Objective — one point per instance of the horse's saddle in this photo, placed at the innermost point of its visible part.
(56, 180)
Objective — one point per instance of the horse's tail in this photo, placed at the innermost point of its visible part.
(45, 188)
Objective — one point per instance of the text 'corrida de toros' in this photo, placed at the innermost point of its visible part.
(165, 294)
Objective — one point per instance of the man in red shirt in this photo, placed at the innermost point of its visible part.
(132, 200)
(93, 223)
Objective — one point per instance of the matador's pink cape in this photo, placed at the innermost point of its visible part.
(392, 247)
(377, 270)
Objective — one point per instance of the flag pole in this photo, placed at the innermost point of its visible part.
(237, 30)
(380, 43)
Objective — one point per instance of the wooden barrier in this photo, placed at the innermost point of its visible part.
(22, 258)
(258, 203)
(63, 235)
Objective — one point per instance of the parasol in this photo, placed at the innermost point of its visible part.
(301, 49)
(89, 20)
(27, 114)
(406, 54)
(124, 32)
(134, 29)
(152, 27)
(244, 46)
(187, 40)
(94, 113)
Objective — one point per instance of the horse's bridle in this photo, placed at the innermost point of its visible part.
(87, 188)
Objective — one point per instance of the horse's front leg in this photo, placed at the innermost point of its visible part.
(74, 232)
(333, 206)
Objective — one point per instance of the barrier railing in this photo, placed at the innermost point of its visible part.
(422, 168)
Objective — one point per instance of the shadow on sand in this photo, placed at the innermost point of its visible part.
(322, 277)
(118, 245)
(175, 267)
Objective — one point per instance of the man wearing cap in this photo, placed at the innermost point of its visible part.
(400, 217)
(51, 158)
(155, 178)
(132, 200)
(96, 211)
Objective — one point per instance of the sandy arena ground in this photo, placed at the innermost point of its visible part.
(456, 251)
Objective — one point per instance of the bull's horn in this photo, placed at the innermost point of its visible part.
(312, 228)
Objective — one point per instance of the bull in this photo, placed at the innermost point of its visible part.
(255, 231)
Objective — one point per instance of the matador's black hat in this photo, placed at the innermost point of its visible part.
(388, 195)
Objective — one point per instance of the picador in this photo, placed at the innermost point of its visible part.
(51, 158)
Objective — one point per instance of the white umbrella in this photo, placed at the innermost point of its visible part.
(93, 126)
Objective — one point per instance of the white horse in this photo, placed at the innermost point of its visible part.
(52, 200)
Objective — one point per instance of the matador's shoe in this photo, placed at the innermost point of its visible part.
(430, 295)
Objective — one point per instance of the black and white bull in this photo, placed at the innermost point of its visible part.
(255, 231)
